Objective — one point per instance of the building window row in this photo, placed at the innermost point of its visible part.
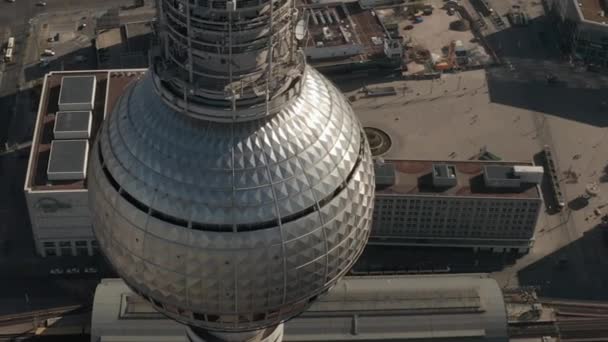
(70, 248)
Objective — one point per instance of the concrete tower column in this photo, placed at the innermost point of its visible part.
(272, 334)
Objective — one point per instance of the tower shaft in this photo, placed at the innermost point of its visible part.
(270, 334)
(227, 60)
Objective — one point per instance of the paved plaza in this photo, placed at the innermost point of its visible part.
(456, 116)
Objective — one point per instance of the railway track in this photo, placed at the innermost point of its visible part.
(567, 330)
(38, 314)
(565, 308)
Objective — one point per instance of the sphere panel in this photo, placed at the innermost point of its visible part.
(298, 189)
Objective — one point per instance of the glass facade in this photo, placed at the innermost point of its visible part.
(455, 218)
(69, 248)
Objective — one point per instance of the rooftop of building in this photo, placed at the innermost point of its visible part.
(125, 46)
(415, 177)
(375, 308)
(110, 84)
(594, 10)
(344, 24)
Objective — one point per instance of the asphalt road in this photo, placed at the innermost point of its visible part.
(16, 13)
(20, 11)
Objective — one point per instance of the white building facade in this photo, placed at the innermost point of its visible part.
(55, 186)
(481, 205)
(482, 223)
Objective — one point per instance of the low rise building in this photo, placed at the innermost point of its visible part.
(343, 35)
(371, 308)
(124, 46)
(475, 204)
(72, 108)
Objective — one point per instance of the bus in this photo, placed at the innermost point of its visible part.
(8, 55)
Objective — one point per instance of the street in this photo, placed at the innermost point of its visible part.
(25, 281)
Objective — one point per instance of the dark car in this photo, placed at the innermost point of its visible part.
(593, 68)
(551, 79)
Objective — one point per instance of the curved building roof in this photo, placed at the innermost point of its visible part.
(370, 308)
(404, 308)
(232, 226)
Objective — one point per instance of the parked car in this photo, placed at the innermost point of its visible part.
(82, 26)
(48, 52)
(451, 11)
(73, 270)
(593, 68)
(90, 270)
(409, 27)
(41, 3)
(56, 271)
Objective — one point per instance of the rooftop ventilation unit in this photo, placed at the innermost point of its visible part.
(77, 93)
(500, 176)
(68, 160)
(385, 174)
(529, 174)
(444, 175)
(73, 125)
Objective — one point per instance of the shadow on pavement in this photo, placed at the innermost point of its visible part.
(413, 259)
(533, 56)
(576, 104)
(81, 59)
(559, 276)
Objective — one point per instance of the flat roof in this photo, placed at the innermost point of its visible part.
(77, 121)
(414, 177)
(110, 85)
(68, 157)
(360, 25)
(77, 89)
(591, 10)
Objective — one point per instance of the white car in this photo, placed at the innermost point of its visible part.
(56, 271)
(74, 270)
(10, 0)
(41, 3)
(90, 270)
(48, 52)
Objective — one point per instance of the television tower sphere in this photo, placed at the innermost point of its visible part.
(231, 184)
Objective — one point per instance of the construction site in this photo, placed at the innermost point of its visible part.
(413, 38)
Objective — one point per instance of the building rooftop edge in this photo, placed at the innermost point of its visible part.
(29, 187)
